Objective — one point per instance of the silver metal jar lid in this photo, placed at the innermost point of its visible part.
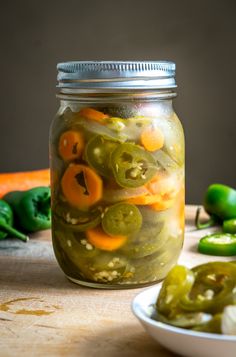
(116, 75)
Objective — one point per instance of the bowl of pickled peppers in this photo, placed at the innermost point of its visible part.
(198, 304)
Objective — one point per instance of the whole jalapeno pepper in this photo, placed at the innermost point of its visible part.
(132, 166)
(219, 203)
(6, 223)
(31, 208)
(229, 226)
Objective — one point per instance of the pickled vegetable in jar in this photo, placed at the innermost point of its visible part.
(117, 173)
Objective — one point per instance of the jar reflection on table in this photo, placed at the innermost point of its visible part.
(117, 178)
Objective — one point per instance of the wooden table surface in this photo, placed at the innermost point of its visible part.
(43, 314)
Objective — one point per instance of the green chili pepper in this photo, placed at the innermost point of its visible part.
(222, 244)
(31, 208)
(132, 165)
(219, 203)
(229, 226)
(6, 223)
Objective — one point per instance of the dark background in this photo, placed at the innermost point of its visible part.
(200, 36)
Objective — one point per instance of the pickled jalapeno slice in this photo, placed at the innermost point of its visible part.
(213, 289)
(121, 219)
(132, 166)
(177, 284)
(187, 320)
(76, 220)
(98, 152)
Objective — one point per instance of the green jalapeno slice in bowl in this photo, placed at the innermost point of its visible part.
(132, 166)
(220, 279)
(121, 219)
(177, 284)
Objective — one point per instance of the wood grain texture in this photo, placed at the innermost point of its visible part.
(49, 316)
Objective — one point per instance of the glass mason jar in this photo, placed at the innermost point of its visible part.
(117, 173)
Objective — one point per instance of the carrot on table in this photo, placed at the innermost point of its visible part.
(92, 114)
(99, 239)
(20, 181)
(71, 144)
(152, 139)
(81, 186)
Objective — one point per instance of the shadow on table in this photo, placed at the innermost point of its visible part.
(32, 274)
(128, 341)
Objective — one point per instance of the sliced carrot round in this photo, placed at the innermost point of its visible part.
(152, 139)
(99, 239)
(81, 186)
(71, 144)
(92, 114)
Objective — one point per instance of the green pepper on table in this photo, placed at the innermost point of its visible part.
(229, 226)
(220, 204)
(6, 223)
(31, 208)
(222, 244)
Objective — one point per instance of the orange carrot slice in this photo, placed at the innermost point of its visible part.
(71, 144)
(21, 181)
(152, 139)
(81, 186)
(92, 114)
(99, 239)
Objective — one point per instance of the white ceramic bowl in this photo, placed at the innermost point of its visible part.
(184, 342)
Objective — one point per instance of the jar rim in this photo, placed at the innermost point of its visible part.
(116, 75)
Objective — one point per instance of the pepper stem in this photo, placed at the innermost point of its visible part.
(13, 232)
(210, 223)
